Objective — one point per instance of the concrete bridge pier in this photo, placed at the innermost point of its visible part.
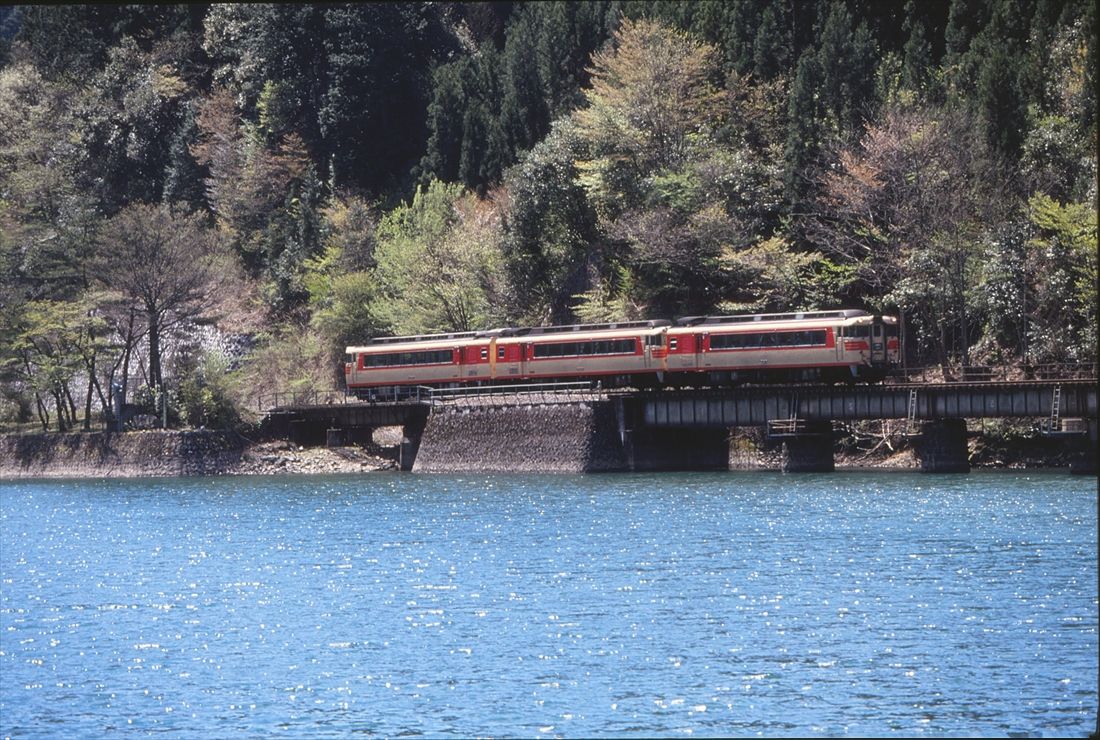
(942, 446)
(650, 449)
(411, 434)
(653, 449)
(809, 448)
(1083, 461)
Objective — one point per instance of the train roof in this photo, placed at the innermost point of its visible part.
(535, 331)
(845, 313)
(577, 331)
(437, 341)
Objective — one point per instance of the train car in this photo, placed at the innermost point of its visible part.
(829, 346)
(832, 346)
(617, 353)
(431, 359)
(622, 353)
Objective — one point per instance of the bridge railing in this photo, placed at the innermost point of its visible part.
(279, 399)
(513, 395)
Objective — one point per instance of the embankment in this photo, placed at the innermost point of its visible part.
(168, 453)
(562, 438)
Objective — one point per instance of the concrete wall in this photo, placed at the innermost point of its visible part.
(566, 438)
(115, 454)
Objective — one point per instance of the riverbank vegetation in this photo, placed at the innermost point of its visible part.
(201, 203)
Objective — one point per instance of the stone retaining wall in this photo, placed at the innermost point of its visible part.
(115, 454)
(174, 453)
(558, 438)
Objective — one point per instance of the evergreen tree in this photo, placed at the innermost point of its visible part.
(845, 60)
(804, 116)
(67, 40)
(917, 57)
(183, 179)
(772, 47)
(524, 113)
(445, 121)
(1000, 102)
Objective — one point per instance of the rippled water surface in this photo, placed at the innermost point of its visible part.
(540, 606)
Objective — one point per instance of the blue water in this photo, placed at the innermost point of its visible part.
(539, 606)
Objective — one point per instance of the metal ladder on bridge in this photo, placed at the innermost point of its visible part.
(1056, 410)
(911, 413)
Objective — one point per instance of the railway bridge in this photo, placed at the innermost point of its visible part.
(670, 429)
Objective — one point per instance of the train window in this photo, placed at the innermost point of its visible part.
(500, 353)
(427, 357)
(672, 344)
(485, 353)
(758, 340)
(577, 349)
(858, 331)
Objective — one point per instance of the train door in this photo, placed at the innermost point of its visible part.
(653, 348)
(525, 366)
(878, 341)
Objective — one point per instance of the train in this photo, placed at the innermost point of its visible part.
(845, 345)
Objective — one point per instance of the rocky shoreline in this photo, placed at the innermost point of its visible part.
(165, 454)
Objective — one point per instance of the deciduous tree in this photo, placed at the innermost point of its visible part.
(162, 262)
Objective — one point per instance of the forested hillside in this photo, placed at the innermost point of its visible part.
(213, 200)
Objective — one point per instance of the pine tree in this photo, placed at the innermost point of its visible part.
(804, 113)
(771, 50)
(183, 180)
(917, 58)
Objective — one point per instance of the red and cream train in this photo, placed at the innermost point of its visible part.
(827, 346)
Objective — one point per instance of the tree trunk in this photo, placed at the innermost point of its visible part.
(155, 379)
(60, 406)
(68, 396)
(103, 400)
(126, 357)
(43, 412)
(88, 398)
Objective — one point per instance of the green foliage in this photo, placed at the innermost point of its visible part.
(1064, 250)
(1003, 294)
(487, 109)
(51, 342)
(206, 394)
(549, 228)
(438, 262)
(291, 359)
(652, 101)
(609, 300)
(771, 276)
(344, 313)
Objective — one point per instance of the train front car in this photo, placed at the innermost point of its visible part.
(389, 367)
(870, 344)
(807, 346)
